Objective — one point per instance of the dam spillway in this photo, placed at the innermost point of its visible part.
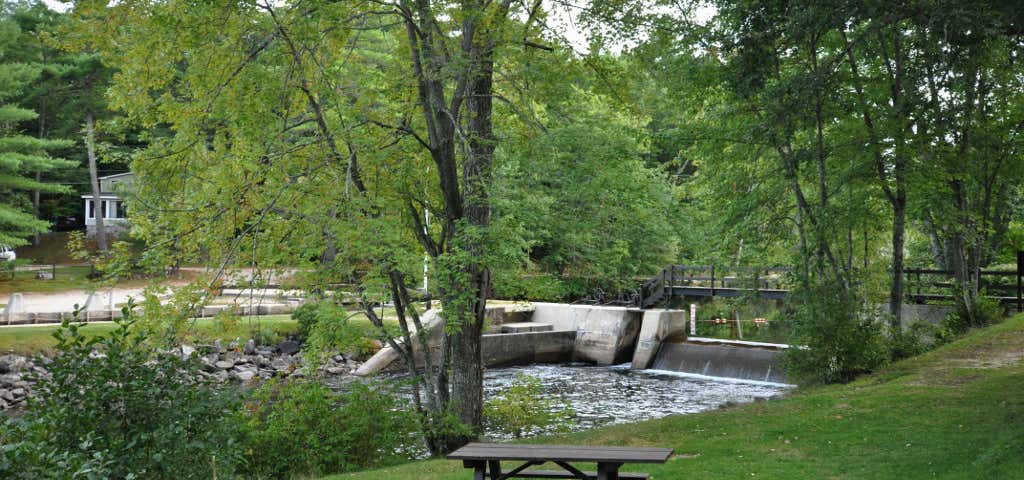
(711, 357)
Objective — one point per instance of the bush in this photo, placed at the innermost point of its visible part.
(111, 408)
(838, 337)
(979, 312)
(906, 343)
(302, 428)
(307, 315)
(523, 409)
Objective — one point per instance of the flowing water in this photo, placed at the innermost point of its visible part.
(602, 396)
(599, 396)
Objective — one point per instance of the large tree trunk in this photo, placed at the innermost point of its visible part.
(467, 362)
(899, 221)
(94, 182)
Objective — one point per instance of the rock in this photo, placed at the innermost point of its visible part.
(262, 361)
(19, 392)
(9, 379)
(336, 370)
(250, 347)
(6, 395)
(288, 347)
(245, 375)
(207, 365)
(220, 375)
(224, 364)
(280, 365)
(187, 351)
(218, 347)
(233, 346)
(339, 358)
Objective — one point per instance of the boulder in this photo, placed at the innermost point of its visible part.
(245, 375)
(249, 348)
(288, 347)
(224, 364)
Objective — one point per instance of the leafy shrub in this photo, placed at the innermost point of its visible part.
(978, 312)
(913, 341)
(838, 337)
(523, 409)
(113, 409)
(307, 315)
(302, 428)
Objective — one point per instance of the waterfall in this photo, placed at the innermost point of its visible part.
(723, 358)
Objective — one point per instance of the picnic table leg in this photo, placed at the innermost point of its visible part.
(479, 469)
(495, 469)
(608, 471)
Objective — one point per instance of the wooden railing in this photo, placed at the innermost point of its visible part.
(677, 281)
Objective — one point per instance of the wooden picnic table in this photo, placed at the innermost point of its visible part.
(485, 460)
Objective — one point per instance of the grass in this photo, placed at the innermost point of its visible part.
(954, 413)
(39, 339)
(66, 278)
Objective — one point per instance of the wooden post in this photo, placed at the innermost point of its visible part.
(712, 280)
(1020, 267)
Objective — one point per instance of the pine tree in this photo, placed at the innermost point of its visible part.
(20, 155)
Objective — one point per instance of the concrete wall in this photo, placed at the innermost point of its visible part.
(604, 335)
(504, 349)
(723, 358)
(913, 313)
(656, 326)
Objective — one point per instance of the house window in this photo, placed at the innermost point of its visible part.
(104, 209)
(90, 209)
(119, 209)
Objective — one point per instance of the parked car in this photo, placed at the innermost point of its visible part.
(7, 253)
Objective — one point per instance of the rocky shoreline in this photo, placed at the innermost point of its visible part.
(247, 364)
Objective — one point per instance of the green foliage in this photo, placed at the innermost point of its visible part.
(523, 409)
(910, 342)
(592, 214)
(307, 315)
(112, 408)
(328, 329)
(21, 156)
(969, 313)
(302, 428)
(837, 338)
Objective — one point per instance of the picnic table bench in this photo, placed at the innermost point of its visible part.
(485, 460)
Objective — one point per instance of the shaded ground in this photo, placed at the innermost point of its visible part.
(955, 413)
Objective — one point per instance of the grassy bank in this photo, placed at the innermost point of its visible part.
(955, 413)
(39, 339)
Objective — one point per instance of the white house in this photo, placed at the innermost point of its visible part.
(112, 187)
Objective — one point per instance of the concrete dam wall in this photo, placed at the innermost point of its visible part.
(559, 333)
(723, 358)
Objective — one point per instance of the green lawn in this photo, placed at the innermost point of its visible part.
(36, 339)
(66, 278)
(956, 413)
